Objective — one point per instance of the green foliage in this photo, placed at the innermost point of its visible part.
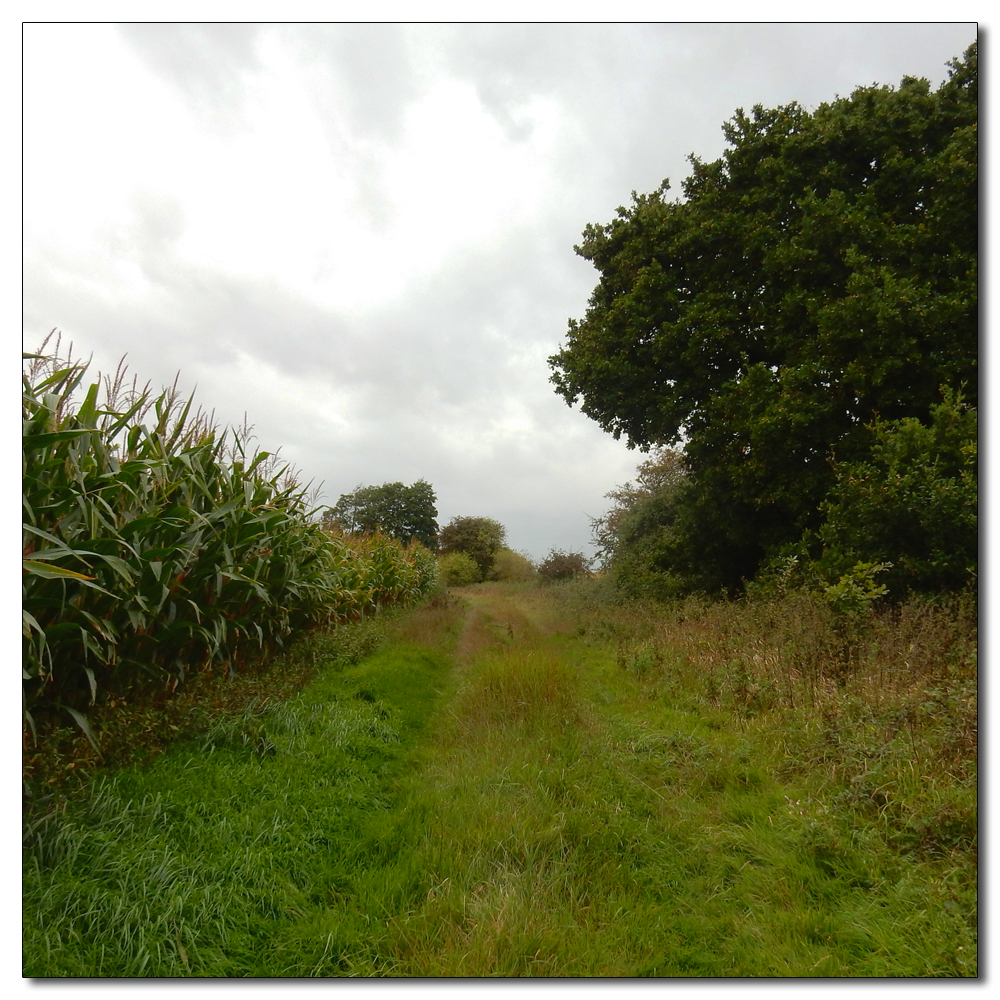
(853, 599)
(822, 274)
(509, 566)
(913, 503)
(480, 538)
(403, 512)
(155, 546)
(458, 569)
(638, 539)
(560, 565)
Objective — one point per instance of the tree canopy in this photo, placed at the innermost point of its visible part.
(820, 276)
(404, 512)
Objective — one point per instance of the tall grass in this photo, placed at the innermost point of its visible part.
(225, 856)
(156, 545)
(532, 782)
(881, 716)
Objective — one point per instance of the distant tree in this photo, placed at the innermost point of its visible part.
(661, 474)
(481, 538)
(821, 275)
(560, 565)
(510, 566)
(403, 512)
(640, 539)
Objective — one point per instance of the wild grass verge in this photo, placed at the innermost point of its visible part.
(205, 862)
(132, 732)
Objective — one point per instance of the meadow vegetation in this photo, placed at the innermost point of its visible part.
(526, 780)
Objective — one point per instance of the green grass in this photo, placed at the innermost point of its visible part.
(205, 862)
(529, 784)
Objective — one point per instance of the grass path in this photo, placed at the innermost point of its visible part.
(489, 795)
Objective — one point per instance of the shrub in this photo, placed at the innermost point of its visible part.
(912, 504)
(457, 569)
(559, 565)
(509, 566)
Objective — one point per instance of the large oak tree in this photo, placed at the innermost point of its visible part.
(819, 276)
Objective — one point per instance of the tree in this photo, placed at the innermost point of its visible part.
(912, 504)
(662, 473)
(481, 538)
(638, 540)
(403, 512)
(819, 276)
(560, 565)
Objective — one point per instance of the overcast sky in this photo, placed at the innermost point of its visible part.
(361, 236)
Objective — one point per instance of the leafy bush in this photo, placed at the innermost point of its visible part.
(854, 594)
(559, 565)
(511, 566)
(913, 503)
(457, 569)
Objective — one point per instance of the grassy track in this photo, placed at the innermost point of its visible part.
(492, 794)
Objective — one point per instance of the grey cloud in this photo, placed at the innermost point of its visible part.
(365, 72)
(158, 223)
(415, 386)
(366, 77)
(208, 63)
(362, 74)
(646, 95)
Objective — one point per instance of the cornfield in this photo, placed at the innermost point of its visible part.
(156, 545)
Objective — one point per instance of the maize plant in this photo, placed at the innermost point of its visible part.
(155, 545)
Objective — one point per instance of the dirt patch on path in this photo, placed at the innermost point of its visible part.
(494, 620)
